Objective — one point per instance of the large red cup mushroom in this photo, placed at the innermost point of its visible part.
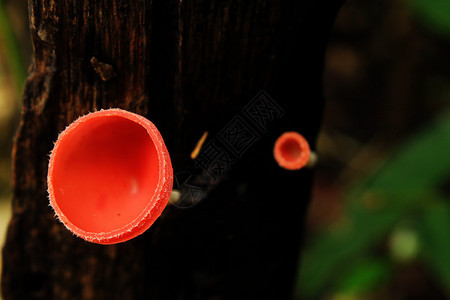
(109, 176)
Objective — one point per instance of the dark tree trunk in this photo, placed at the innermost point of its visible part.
(189, 66)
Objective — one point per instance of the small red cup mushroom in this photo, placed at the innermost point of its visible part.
(109, 176)
(292, 151)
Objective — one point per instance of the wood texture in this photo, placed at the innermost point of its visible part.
(190, 67)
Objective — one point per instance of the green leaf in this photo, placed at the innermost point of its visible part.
(335, 250)
(420, 165)
(435, 14)
(434, 231)
(416, 170)
(363, 276)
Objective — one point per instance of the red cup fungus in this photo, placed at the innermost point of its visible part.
(292, 151)
(109, 176)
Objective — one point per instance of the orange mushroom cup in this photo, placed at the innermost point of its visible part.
(292, 151)
(109, 176)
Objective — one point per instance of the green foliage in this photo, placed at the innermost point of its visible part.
(435, 14)
(409, 183)
(435, 235)
(11, 49)
(363, 276)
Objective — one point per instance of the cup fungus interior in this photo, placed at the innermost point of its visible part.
(291, 150)
(105, 173)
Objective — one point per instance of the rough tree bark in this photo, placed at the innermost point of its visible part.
(189, 66)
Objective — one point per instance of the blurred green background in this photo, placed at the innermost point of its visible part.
(379, 223)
